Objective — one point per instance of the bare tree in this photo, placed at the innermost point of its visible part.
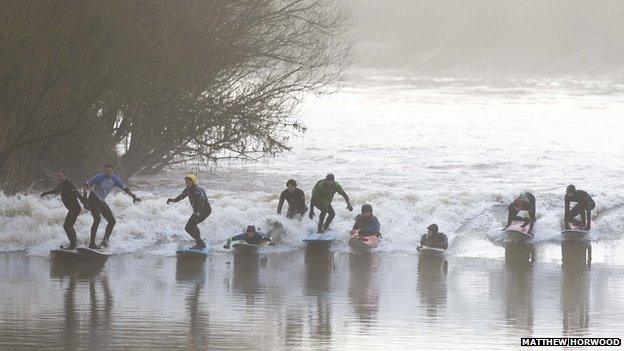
(171, 81)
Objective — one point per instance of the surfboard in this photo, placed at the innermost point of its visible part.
(242, 246)
(64, 253)
(576, 233)
(432, 252)
(324, 238)
(364, 244)
(515, 233)
(192, 252)
(85, 252)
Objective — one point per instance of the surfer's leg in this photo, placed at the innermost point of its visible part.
(575, 211)
(322, 215)
(108, 215)
(330, 217)
(95, 212)
(193, 230)
(68, 226)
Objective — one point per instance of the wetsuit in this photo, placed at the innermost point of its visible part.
(102, 186)
(322, 196)
(201, 210)
(70, 197)
(527, 203)
(583, 207)
(257, 238)
(439, 241)
(367, 226)
(296, 202)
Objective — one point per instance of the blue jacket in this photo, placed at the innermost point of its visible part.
(367, 226)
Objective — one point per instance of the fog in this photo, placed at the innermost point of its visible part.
(535, 37)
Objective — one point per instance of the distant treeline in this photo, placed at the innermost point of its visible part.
(147, 84)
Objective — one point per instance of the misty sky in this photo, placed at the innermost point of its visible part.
(537, 36)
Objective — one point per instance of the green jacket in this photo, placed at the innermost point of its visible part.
(323, 194)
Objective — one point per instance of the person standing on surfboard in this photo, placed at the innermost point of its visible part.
(322, 196)
(250, 236)
(433, 238)
(526, 202)
(101, 185)
(366, 223)
(583, 207)
(69, 197)
(201, 208)
(295, 198)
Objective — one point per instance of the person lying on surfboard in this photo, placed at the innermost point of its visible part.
(366, 223)
(584, 205)
(433, 238)
(250, 236)
(526, 202)
(69, 197)
(295, 198)
(322, 196)
(201, 208)
(101, 185)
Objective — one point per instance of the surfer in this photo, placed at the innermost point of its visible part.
(322, 196)
(250, 236)
(365, 223)
(583, 207)
(69, 197)
(101, 185)
(433, 238)
(201, 208)
(524, 202)
(295, 198)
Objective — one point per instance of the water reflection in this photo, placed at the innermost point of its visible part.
(518, 298)
(519, 253)
(245, 275)
(363, 293)
(319, 263)
(80, 274)
(431, 283)
(191, 273)
(575, 287)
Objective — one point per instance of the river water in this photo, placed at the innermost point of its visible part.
(420, 150)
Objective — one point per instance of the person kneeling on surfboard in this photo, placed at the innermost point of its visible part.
(433, 238)
(583, 207)
(524, 202)
(101, 185)
(295, 198)
(69, 197)
(201, 208)
(322, 196)
(251, 236)
(366, 223)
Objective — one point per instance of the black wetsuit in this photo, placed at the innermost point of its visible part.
(583, 207)
(439, 241)
(70, 197)
(296, 202)
(527, 204)
(201, 210)
(100, 209)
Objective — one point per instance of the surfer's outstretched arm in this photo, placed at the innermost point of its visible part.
(346, 197)
(311, 214)
(182, 195)
(566, 221)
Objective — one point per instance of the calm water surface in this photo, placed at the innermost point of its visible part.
(310, 299)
